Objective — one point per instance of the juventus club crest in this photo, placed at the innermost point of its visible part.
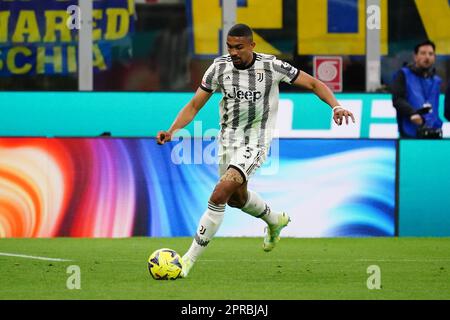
(260, 76)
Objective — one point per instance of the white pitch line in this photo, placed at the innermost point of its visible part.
(31, 257)
(332, 260)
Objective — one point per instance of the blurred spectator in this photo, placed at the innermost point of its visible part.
(172, 55)
(415, 95)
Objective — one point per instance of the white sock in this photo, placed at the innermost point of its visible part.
(257, 207)
(207, 228)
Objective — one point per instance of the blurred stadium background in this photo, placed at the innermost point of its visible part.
(60, 178)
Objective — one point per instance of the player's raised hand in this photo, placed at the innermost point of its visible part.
(340, 113)
(163, 137)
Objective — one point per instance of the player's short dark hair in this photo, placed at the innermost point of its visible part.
(424, 43)
(241, 30)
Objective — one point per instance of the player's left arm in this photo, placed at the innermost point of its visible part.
(307, 81)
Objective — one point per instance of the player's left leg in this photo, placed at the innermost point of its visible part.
(247, 160)
(251, 203)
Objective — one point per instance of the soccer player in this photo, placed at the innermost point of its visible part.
(248, 82)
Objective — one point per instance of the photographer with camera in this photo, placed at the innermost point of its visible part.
(415, 95)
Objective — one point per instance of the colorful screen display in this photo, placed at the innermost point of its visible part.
(111, 187)
(423, 188)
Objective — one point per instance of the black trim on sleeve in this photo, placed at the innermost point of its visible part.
(206, 89)
(296, 76)
(239, 170)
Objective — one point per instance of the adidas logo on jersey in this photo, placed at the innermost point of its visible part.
(244, 95)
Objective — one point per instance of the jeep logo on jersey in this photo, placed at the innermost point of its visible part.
(244, 95)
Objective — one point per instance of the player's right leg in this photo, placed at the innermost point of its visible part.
(211, 218)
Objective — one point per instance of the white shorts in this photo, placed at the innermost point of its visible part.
(245, 159)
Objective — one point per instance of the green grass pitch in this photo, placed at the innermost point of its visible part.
(231, 268)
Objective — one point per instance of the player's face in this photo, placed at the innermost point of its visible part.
(425, 57)
(240, 50)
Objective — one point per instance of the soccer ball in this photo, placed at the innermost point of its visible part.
(165, 264)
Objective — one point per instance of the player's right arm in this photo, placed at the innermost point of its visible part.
(185, 116)
(190, 110)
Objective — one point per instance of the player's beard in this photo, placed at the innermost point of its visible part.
(238, 63)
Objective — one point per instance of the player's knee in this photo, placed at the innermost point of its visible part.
(236, 201)
(219, 196)
(233, 203)
(229, 183)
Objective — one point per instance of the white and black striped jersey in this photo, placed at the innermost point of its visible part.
(249, 105)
